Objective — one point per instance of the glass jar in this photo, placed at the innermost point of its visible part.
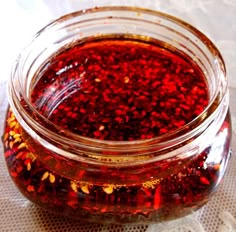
(140, 181)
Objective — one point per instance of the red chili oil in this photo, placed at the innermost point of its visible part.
(118, 89)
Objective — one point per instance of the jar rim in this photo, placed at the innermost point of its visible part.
(197, 125)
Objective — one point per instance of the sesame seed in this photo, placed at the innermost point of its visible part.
(12, 133)
(126, 80)
(22, 145)
(11, 144)
(85, 188)
(97, 80)
(74, 186)
(101, 128)
(12, 124)
(28, 166)
(17, 140)
(45, 176)
(108, 189)
(16, 136)
(52, 178)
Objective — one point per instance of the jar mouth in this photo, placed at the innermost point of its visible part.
(29, 117)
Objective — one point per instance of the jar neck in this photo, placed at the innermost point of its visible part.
(108, 20)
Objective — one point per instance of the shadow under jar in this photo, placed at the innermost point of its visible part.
(118, 115)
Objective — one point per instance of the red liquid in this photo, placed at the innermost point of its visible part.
(118, 90)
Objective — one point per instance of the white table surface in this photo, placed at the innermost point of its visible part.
(20, 19)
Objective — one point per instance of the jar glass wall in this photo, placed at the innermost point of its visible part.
(144, 180)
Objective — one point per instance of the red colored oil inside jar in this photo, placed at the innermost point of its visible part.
(118, 89)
